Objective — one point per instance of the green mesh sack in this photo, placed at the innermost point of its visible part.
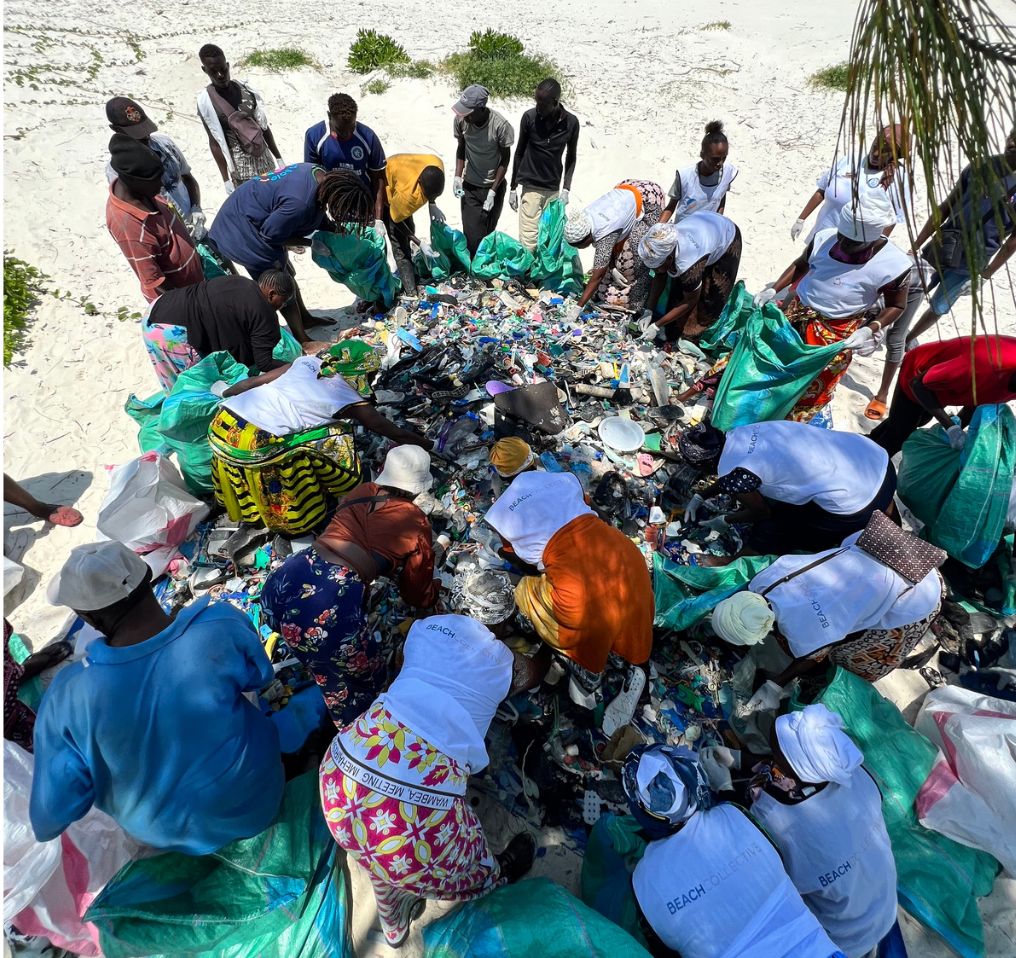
(556, 265)
(359, 261)
(499, 256)
(451, 253)
(722, 336)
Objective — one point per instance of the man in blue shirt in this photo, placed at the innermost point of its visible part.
(341, 143)
(152, 726)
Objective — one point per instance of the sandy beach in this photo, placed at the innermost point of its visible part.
(644, 77)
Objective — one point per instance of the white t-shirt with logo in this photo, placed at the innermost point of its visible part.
(837, 183)
(839, 471)
(694, 196)
(717, 889)
(297, 400)
(701, 235)
(846, 874)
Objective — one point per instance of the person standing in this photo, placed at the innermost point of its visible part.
(484, 140)
(703, 186)
(340, 142)
(149, 233)
(233, 114)
(545, 133)
(414, 180)
(179, 188)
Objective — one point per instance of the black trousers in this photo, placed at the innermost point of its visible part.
(905, 416)
(476, 223)
(400, 234)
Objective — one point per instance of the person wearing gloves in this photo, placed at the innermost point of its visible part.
(256, 225)
(700, 256)
(414, 180)
(954, 372)
(153, 725)
(393, 782)
(233, 114)
(317, 599)
(150, 235)
(484, 139)
(588, 592)
(840, 277)
(282, 444)
(545, 133)
(879, 176)
(179, 188)
(710, 884)
(614, 225)
(511, 456)
(844, 606)
(801, 488)
(846, 875)
(702, 187)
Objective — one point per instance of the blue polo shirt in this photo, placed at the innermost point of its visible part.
(159, 736)
(258, 217)
(362, 152)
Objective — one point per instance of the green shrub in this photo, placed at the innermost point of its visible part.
(416, 70)
(280, 58)
(832, 78)
(495, 46)
(372, 50)
(499, 62)
(377, 87)
(717, 25)
(22, 286)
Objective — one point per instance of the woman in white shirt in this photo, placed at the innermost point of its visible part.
(282, 446)
(703, 186)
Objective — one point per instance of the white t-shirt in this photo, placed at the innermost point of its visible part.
(839, 471)
(717, 889)
(837, 183)
(701, 234)
(846, 874)
(850, 592)
(614, 212)
(695, 196)
(454, 676)
(839, 290)
(297, 400)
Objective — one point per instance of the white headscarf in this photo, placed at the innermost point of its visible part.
(744, 619)
(816, 746)
(577, 227)
(865, 221)
(657, 245)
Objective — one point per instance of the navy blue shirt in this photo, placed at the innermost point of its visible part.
(258, 217)
(362, 152)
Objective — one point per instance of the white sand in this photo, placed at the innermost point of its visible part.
(646, 79)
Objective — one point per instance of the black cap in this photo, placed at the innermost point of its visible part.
(128, 117)
(129, 157)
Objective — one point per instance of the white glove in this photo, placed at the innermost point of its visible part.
(956, 436)
(860, 340)
(691, 511)
(198, 229)
(645, 322)
(436, 216)
(767, 295)
(716, 762)
(458, 190)
(488, 203)
(428, 251)
(218, 388)
(796, 229)
(513, 200)
(564, 196)
(228, 184)
(717, 524)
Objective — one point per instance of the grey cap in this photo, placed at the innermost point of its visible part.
(472, 98)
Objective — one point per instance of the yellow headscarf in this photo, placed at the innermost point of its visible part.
(511, 456)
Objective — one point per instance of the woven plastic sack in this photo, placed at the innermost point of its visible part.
(280, 894)
(452, 253)
(614, 848)
(556, 264)
(358, 261)
(211, 262)
(686, 594)
(938, 880)
(962, 497)
(722, 336)
(769, 370)
(535, 917)
(500, 256)
(287, 348)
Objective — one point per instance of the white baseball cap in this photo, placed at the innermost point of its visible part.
(97, 575)
(407, 468)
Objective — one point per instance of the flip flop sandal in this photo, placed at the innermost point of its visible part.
(622, 709)
(397, 940)
(65, 516)
(933, 677)
(875, 410)
(592, 808)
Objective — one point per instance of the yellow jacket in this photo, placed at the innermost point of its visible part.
(403, 172)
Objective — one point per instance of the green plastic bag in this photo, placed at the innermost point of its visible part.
(722, 336)
(614, 848)
(280, 894)
(211, 262)
(534, 917)
(962, 497)
(500, 256)
(146, 413)
(556, 264)
(358, 261)
(938, 880)
(287, 348)
(769, 370)
(452, 253)
(686, 594)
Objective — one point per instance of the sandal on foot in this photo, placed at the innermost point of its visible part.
(518, 857)
(875, 410)
(65, 516)
(395, 937)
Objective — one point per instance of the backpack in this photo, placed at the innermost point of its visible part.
(241, 122)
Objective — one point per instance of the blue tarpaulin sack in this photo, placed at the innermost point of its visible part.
(359, 261)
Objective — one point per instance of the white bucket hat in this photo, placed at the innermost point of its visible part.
(407, 468)
(96, 576)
